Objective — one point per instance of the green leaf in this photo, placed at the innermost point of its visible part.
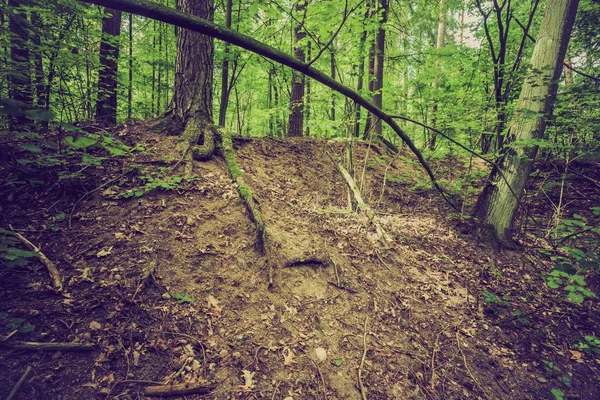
(558, 394)
(31, 147)
(576, 297)
(338, 362)
(114, 150)
(81, 142)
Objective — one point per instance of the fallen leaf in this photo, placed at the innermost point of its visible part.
(104, 252)
(321, 353)
(212, 302)
(248, 379)
(95, 325)
(575, 355)
(288, 356)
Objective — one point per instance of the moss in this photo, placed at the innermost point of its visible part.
(245, 191)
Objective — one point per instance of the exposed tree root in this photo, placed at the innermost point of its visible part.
(196, 130)
(178, 390)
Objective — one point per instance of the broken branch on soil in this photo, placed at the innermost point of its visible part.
(361, 204)
(52, 270)
(19, 383)
(363, 391)
(55, 346)
(181, 389)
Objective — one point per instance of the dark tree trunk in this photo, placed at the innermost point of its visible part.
(106, 104)
(20, 74)
(225, 90)
(378, 58)
(130, 86)
(296, 121)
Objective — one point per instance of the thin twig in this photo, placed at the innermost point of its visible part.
(320, 376)
(363, 391)
(467, 367)
(19, 383)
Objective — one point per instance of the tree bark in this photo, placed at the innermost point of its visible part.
(192, 94)
(106, 104)
(130, 83)
(225, 89)
(296, 121)
(497, 205)
(20, 74)
(378, 59)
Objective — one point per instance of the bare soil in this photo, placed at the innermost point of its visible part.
(408, 317)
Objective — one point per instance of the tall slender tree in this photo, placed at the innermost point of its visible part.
(497, 205)
(106, 104)
(20, 73)
(296, 121)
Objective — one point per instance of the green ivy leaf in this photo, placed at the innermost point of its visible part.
(31, 147)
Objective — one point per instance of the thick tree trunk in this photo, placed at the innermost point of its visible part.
(20, 74)
(106, 104)
(192, 94)
(497, 205)
(296, 121)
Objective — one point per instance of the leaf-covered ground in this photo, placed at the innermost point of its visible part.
(163, 277)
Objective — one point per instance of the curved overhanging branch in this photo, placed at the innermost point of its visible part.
(196, 24)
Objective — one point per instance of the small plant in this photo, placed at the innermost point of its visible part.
(565, 380)
(492, 298)
(550, 367)
(184, 297)
(558, 394)
(589, 345)
(573, 284)
(154, 181)
(20, 325)
(10, 254)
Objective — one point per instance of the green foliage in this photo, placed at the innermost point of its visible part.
(574, 285)
(589, 345)
(558, 394)
(183, 297)
(10, 253)
(20, 325)
(153, 181)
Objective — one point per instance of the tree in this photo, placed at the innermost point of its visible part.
(378, 50)
(106, 104)
(436, 83)
(20, 74)
(191, 105)
(296, 121)
(497, 205)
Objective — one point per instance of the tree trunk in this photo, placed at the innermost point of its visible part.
(192, 94)
(106, 104)
(378, 58)
(20, 74)
(497, 205)
(436, 82)
(296, 121)
(130, 83)
(225, 70)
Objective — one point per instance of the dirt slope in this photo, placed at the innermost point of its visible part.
(408, 316)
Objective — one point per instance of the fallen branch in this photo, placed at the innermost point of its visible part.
(55, 346)
(361, 204)
(181, 389)
(54, 274)
(19, 383)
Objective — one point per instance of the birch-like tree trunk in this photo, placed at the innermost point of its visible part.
(498, 203)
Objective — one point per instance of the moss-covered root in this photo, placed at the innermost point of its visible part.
(244, 191)
(196, 128)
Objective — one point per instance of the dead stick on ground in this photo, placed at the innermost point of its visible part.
(62, 346)
(363, 391)
(56, 282)
(19, 383)
(467, 367)
(321, 376)
(178, 390)
(361, 204)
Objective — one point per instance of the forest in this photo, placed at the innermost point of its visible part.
(303, 199)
